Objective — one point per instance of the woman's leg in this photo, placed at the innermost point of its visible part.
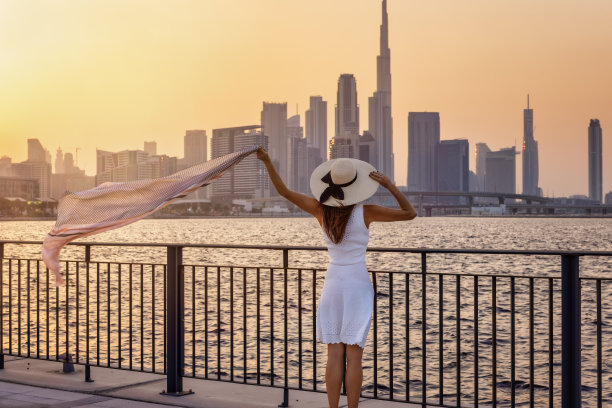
(354, 374)
(333, 373)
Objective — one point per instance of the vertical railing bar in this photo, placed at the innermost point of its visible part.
(286, 318)
(494, 340)
(57, 323)
(512, 345)
(131, 315)
(19, 307)
(407, 327)
(78, 308)
(244, 324)
(87, 310)
(206, 322)
(272, 326)
(476, 342)
(391, 335)
(531, 346)
(375, 342)
(299, 329)
(97, 313)
(29, 308)
(48, 284)
(218, 323)
(285, 402)
(258, 303)
(193, 321)
(550, 345)
(119, 293)
(441, 336)
(108, 314)
(10, 315)
(458, 323)
(37, 310)
(153, 355)
(142, 317)
(599, 346)
(67, 294)
(424, 326)
(232, 324)
(314, 329)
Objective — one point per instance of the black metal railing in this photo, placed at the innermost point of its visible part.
(451, 327)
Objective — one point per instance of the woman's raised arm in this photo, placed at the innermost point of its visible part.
(306, 203)
(380, 213)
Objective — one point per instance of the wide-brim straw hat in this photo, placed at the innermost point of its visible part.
(343, 182)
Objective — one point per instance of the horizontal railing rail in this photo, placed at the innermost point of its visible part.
(444, 332)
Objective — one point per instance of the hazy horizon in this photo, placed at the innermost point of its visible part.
(113, 74)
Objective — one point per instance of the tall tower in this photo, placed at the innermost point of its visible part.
(316, 126)
(347, 111)
(423, 144)
(274, 126)
(530, 154)
(379, 104)
(595, 149)
(195, 147)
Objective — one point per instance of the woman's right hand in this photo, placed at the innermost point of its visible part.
(381, 178)
(262, 155)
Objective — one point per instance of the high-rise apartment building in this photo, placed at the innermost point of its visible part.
(380, 119)
(453, 165)
(151, 148)
(196, 147)
(347, 113)
(423, 142)
(595, 163)
(247, 180)
(316, 126)
(530, 154)
(298, 155)
(274, 126)
(500, 171)
(481, 165)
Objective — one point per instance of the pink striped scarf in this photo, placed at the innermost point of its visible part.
(113, 205)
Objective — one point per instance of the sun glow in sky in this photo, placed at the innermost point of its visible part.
(112, 74)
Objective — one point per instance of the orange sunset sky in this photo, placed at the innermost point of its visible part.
(113, 74)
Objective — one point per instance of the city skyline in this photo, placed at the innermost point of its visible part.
(478, 89)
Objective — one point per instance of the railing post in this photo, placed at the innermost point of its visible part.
(285, 402)
(175, 322)
(570, 332)
(1, 309)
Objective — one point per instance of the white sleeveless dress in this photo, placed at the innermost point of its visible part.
(344, 312)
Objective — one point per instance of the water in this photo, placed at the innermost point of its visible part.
(217, 324)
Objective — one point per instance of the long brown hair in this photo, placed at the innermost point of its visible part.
(335, 220)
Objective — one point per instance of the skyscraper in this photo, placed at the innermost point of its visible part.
(380, 120)
(195, 147)
(274, 125)
(481, 160)
(453, 165)
(298, 155)
(347, 112)
(595, 149)
(500, 176)
(423, 142)
(316, 126)
(249, 179)
(530, 154)
(59, 161)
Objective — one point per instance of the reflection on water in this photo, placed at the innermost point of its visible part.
(222, 312)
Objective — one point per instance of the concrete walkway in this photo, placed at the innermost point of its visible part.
(37, 383)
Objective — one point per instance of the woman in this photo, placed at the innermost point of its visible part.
(344, 312)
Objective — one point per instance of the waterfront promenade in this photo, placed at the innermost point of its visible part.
(38, 383)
